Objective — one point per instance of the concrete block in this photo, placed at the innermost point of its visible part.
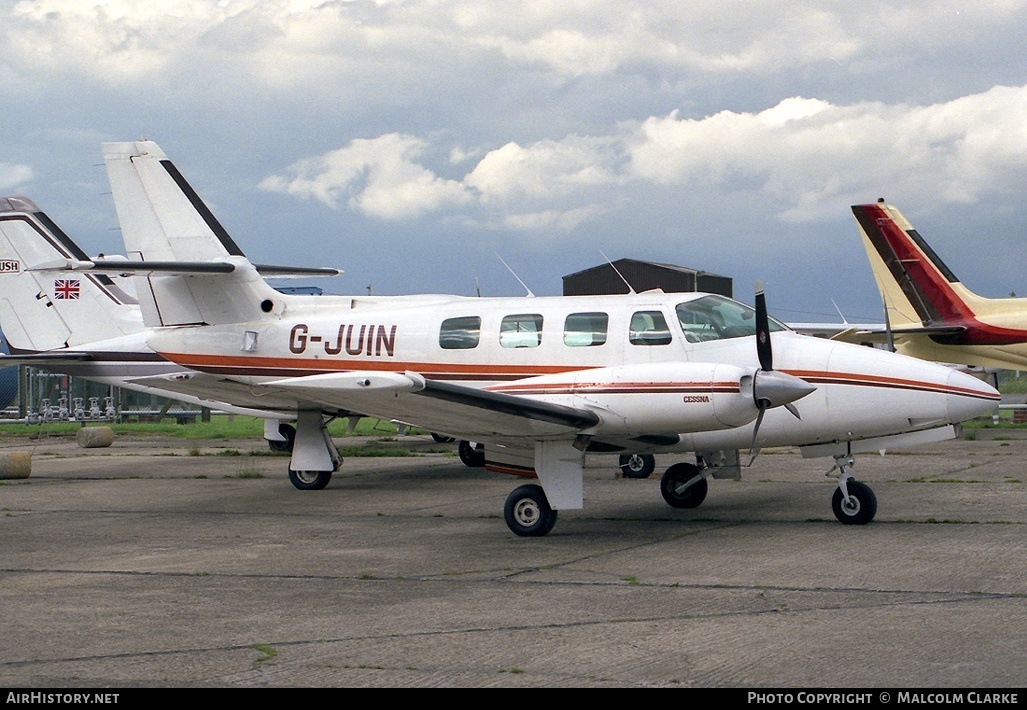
(95, 437)
(15, 464)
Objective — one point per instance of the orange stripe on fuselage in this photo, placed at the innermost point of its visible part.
(256, 366)
(815, 377)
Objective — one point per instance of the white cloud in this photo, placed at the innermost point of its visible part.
(546, 169)
(278, 43)
(379, 176)
(562, 220)
(806, 155)
(811, 155)
(12, 175)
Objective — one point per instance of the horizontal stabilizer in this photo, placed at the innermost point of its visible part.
(880, 335)
(124, 267)
(136, 268)
(45, 358)
(287, 272)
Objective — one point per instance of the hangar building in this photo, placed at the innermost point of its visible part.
(643, 276)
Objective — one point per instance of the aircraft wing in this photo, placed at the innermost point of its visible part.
(217, 390)
(441, 406)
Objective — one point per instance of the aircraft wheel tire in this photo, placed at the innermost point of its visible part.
(862, 505)
(637, 465)
(675, 477)
(472, 455)
(528, 513)
(442, 439)
(289, 432)
(310, 480)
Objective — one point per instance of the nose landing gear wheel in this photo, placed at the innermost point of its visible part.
(861, 507)
(310, 480)
(528, 513)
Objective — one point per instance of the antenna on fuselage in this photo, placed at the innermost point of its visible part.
(887, 325)
(530, 294)
(631, 291)
(841, 315)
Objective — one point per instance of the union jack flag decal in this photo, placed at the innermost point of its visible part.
(66, 289)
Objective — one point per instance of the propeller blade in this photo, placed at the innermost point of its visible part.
(756, 428)
(763, 350)
(763, 406)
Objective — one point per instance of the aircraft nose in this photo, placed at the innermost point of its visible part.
(969, 397)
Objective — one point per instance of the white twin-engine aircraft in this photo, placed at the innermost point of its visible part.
(541, 381)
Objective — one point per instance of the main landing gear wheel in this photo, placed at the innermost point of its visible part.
(674, 490)
(472, 455)
(289, 432)
(528, 513)
(310, 480)
(637, 465)
(861, 507)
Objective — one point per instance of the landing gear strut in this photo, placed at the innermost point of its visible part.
(314, 456)
(853, 503)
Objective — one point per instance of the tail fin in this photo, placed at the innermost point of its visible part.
(161, 216)
(43, 311)
(918, 288)
(164, 220)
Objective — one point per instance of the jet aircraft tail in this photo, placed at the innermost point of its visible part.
(41, 310)
(192, 271)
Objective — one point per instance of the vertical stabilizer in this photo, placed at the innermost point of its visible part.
(43, 310)
(163, 219)
(916, 285)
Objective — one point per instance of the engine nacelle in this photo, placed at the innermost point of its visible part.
(671, 397)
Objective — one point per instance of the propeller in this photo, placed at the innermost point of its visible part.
(771, 388)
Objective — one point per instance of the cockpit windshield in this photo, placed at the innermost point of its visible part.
(718, 318)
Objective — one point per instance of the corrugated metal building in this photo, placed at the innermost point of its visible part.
(643, 276)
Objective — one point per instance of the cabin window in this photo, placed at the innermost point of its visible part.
(460, 333)
(521, 331)
(649, 328)
(718, 318)
(585, 329)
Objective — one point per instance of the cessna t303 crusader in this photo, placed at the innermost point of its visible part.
(541, 381)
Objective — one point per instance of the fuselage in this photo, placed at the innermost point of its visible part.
(545, 348)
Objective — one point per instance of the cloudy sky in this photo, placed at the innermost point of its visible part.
(414, 143)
